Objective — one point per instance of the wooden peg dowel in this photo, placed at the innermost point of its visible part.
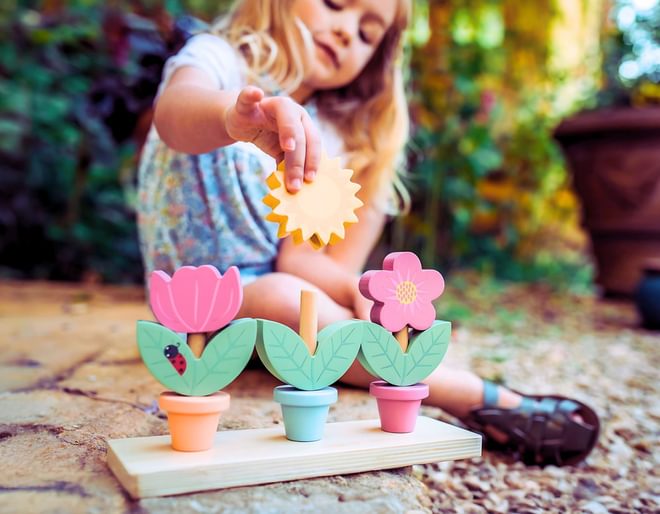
(402, 337)
(309, 319)
(197, 342)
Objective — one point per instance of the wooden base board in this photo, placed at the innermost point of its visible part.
(147, 466)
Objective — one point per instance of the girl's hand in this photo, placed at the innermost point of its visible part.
(281, 128)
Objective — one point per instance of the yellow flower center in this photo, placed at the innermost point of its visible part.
(406, 292)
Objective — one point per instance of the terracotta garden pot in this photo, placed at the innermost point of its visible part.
(614, 156)
(193, 420)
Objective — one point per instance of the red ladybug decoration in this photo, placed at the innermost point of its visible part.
(178, 361)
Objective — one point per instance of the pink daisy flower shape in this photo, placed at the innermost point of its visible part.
(402, 292)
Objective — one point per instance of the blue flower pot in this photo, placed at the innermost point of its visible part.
(304, 412)
(647, 296)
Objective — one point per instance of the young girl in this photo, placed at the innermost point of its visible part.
(284, 79)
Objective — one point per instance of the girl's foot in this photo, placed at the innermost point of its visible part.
(540, 430)
(501, 397)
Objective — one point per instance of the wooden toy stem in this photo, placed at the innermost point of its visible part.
(402, 337)
(309, 319)
(197, 341)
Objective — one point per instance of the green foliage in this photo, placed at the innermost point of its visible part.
(69, 99)
(223, 359)
(381, 355)
(285, 355)
(485, 172)
(207, 10)
(77, 80)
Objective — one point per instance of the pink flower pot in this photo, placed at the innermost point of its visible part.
(398, 406)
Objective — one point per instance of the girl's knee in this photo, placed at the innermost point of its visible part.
(276, 296)
(273, 297)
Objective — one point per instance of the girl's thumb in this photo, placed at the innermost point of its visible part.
(248, 96)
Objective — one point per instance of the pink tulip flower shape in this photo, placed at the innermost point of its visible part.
(195, 299)
(402, 292)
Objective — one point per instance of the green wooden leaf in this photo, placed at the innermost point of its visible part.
(381, 355)
(337, 348)
(152, 339)
(285, 346)
(426, 351)
(285, 355)
(224, 357)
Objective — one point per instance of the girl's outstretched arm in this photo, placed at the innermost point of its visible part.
(318, 268)
(192, 116)
(352, 253)
(189, 112)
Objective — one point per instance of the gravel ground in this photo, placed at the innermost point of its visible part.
(539, 340)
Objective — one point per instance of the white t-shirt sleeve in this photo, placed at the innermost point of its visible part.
(211, 54)
(333, 145)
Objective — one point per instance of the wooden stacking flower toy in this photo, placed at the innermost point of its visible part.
(308, 364)
(401, 345)
(195, 301)
(320, 212)
(403, 295)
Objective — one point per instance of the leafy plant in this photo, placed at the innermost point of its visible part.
(77, 81)
(488, 183)
(172, 363)
(73, 84)
(287, 358)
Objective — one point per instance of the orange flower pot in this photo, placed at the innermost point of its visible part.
(193, 420)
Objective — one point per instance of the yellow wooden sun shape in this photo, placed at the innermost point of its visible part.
(320, 211)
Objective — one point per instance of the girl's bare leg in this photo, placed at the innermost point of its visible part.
(276, 296)
(453, 390)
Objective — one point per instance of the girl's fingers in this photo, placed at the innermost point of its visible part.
(292, 141)
(247, 100)
(313, 149)
(270, 144)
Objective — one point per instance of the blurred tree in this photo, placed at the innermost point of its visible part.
(632, 54)
(77, 80)
(490, 186)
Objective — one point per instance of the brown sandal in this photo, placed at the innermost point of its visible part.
(541, 431)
